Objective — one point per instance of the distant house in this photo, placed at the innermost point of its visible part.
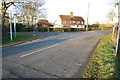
(69, 21)
(43, 23)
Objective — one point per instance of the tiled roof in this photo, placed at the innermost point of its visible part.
(74, 18)
(43, 22)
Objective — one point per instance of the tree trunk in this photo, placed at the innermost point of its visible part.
(5, 22)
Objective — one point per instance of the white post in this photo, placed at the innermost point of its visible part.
(113, 32)
(15, 26)
(118, 36)
(34, 33)
(10, 26)
(102, 29)
(113, 29)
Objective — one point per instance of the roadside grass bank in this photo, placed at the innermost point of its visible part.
(21, 38)
(104, 63)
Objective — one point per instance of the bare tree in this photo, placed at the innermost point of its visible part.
(5, 6)
(31, 11)
(116, 3)
(110, 16)
(5, 22)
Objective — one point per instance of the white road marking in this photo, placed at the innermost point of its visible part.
(74, 39)
(28, 42)
(38, 50)
(37, 40)
(47, 47)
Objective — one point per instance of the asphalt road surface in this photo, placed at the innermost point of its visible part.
(64, 55)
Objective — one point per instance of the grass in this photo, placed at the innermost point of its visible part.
(21, 38)
(104, 63)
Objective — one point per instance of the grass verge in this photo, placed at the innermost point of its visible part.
(21, 38)
(104, 63)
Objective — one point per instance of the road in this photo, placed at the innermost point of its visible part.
(57, 56)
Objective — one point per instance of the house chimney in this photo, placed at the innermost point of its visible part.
(71, 14)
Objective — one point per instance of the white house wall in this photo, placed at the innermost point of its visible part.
(58, 23)
(77, 26)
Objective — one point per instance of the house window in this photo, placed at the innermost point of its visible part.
(69, 21)
(78, 22)
(73, 21)
(82, 22)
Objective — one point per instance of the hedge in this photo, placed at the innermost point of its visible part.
(24, 28)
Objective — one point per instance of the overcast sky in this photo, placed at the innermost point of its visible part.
(97, 12)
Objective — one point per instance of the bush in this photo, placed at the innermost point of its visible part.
(41, 29)
(5, 32)
(108, 29)
(95, 29)
(20, 27)
(58, 30)
(99, 29)
(81, 29)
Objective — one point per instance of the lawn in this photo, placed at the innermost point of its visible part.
(104, 62)
(21, 38)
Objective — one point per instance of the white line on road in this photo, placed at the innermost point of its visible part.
(45, 48)
(38, 50)
(74, 38)
(37, 40)
(28, 42)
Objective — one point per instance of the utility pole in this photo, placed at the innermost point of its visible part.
(87, 17)
(34, 27)
(10, 14)
(118, 35)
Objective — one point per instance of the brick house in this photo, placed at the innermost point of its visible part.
(69, 21)
(43, 23)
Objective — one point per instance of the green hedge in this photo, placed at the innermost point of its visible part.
(99, 29)
(68, 29)
(25, 28)
(42, 29)
(58, 30)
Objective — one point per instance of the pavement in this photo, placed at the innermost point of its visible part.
(58, 55)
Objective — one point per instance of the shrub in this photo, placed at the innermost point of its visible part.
(58, 30)
(81, 29)
(41, 29)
